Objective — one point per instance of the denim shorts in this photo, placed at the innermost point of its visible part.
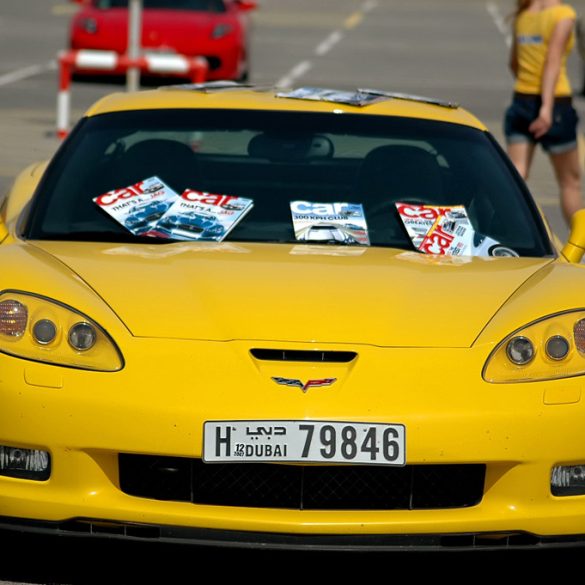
(562, 135)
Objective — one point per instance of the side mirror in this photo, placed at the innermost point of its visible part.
(246, 5)
(575, 246)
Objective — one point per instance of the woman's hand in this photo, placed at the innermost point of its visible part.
(541, 125)
(558, 42)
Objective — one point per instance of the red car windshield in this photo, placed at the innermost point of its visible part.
(199, 5)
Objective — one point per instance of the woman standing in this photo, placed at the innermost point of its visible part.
(542, 111)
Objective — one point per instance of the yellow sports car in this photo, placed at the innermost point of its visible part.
(419, 384)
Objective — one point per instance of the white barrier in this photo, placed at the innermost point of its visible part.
(71, 61)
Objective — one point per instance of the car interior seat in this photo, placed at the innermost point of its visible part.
(397, 172)
(172, 161)
(394, 173)
(291, 147)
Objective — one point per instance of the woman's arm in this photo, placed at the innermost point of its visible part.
(552, 67)
(513, 62)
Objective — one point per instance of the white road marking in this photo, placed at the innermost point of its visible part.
(328, 43)
(64, 9)
(369, 5)
(500, 21)
(353, 20)
(297, 71)
(26, 72)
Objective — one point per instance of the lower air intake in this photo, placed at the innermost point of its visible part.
(262, 485)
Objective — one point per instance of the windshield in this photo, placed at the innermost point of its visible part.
(273, 171)
(201, 5)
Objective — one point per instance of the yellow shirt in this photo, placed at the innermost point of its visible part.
(532, 32)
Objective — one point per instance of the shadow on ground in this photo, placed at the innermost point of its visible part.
(65, 560)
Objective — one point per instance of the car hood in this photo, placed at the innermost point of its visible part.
(160, 28)
(296, 292)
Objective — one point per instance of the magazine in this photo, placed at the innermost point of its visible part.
(343, 223)
(138, 207)
(198, 215)
(350, 98)
(447, 230)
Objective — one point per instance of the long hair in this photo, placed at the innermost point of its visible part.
(521, 5)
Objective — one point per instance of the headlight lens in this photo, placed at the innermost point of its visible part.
(557, 347)
(25, 463)
(41, 329)
(44, 331)
(579, 334)
(548, 349)
(221, 30)
(82, 336)
(89, 25)
(13, 317)
(520, 350)
(568, 480)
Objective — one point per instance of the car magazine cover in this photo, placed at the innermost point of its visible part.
(138, 207)
(447, 230)
(352, 98)
(343, 223)
(198, 215)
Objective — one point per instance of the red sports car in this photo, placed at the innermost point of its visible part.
(217, 30)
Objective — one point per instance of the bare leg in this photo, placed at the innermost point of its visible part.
(568, 172)
(521, 154)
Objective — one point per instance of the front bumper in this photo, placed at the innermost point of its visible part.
(157, 406)
(84, 528)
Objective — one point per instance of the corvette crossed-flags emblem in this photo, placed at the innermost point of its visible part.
(295, 383)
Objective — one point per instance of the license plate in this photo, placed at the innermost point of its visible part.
(304, 441)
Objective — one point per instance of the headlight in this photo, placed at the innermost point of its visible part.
(568, 480)
(40, 329)
(25, 463)
(520, 350)
(88, 25)
(221, 30)
(547, 349)
(13, 317)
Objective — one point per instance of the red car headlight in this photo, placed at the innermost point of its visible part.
(221, 30)
(88, 25)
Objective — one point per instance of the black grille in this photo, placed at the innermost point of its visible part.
(213, 62)
(262, 485)
(294, 355)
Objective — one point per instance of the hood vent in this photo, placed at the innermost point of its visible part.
(293, 355)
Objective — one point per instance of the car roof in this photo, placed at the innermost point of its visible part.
(200, 96)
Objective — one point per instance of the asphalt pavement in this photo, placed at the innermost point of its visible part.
(449, 49)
